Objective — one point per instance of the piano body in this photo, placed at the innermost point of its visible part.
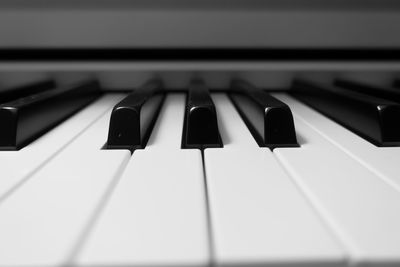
(199, 133)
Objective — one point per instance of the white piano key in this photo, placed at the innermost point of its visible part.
(383, 161)
(157, 213)
(167, 132)
(44, 223)
(258, 215)
(17, 166)
(234, 132)
(360, 207)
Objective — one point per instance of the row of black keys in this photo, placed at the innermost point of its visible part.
(132, 119)
(371, 112)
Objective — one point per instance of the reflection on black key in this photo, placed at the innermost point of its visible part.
(375, 119)
(133, 118)
(25, 90)
(386, 93)
(27, 118)
(269, 119)
(200, 128)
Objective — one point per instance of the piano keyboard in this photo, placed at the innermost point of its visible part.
(245, 178)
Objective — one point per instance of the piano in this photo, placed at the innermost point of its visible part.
(199, 133)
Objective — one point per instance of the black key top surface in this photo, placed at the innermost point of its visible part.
(269, 119)
(15, 93)
(25, 119)
(396, 84)
(133, 118)
(374, 119)
(392, 94)
(200, 128)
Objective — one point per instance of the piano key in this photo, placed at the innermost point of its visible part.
(240, 137)
(169, 121)
(258, 216)
(269, 119)
(358, 205)
(133, 118)
(392, 94)
(200, 129)
(372, 118)
(26, 119)
(156, 215)
(44, 223)
(18, 166)
(396, 84)
(380, 160)
(26, 90)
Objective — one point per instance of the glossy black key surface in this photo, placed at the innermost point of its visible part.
(27, 118)
(14, 93)
(392, 94)
(396, 84)
(200, 128)
(375, 119)
(269, 119)
(133, 118)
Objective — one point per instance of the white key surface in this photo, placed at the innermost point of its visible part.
(46, 220)
(361, 208)
(381, 160)
(17, 166)
(167, 132)
(157, 213)
(234, 132)
(258, 216)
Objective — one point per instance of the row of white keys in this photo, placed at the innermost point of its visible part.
(381, 160)
(17, 166)
(157, 213)
(258, 215)
(44, 222)
(362, 209)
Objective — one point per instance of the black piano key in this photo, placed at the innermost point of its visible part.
(25, 119)
(392, 94)
(133, 118)
(200, 126)
(14, 93)
(375, 119)
(269, 119)
(396, 84)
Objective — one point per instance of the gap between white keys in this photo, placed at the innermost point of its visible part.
(358, 205)
(43, 223)
(157, 213)
(380, 160)
(258, 216)
(17, 166)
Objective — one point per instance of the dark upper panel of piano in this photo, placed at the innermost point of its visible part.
(182, 23)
